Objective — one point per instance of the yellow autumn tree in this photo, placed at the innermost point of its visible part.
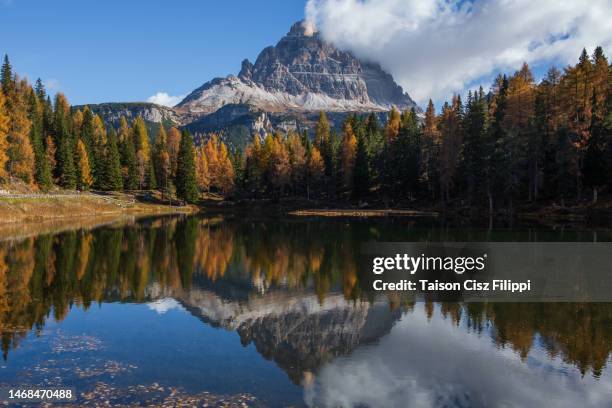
(211, 151)
(226, 169)
(393, 124)
(84, 177)
(142, 148)
(316, 169)
(279, 163)
(349, 148)
(174, 141)
(520, 100)
(4, 126)
(202, 173)
(20, 153)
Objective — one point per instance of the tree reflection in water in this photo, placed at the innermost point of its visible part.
(259, 265)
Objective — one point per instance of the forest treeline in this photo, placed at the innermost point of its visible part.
(521, 141)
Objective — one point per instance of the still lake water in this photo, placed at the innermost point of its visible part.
(270, 312)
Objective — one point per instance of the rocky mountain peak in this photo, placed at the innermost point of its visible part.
(305, 73)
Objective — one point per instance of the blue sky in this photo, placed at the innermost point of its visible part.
(129, 50)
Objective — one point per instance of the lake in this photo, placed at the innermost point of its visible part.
(233, 310)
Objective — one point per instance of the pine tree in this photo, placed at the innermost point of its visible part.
(595, 164)
(129, 165)
(431, 150)
(112, 170)
(66, 145)
(42, 173)
(475, 150)
(7, 77)
(361, 172)
(186, 185)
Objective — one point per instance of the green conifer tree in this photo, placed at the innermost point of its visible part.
(42, 171)
(186, 185)
(112, 164)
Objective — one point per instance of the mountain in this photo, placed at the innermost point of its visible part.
(286, 87)
(301, 73)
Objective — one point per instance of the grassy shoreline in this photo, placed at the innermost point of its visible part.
(33, 208)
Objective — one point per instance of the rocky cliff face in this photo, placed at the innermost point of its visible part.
(301, 73)
(286, 87)
(297, 331)
(150, 112)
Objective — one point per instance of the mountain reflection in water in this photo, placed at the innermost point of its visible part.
(292, 289)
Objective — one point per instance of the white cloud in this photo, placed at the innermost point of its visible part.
(162, 98)
(434, 363)
(161, 306)
(436, 47)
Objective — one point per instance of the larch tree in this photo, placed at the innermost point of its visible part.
(297, 160)
(174, 142)
(393, 124)
(226, 170)
(316, 170)
(141, 146)
(161, 160)
(280, 166)
(349, 149)
(20, 153)
(211, 149)
(83, 169)
(4, 127)
(202, 173)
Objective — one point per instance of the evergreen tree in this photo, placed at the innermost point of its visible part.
(7, 76)
(42, 173)
(186, 184)
(128, 164)
(112, 169)
(475, 149)
(66, 146)
(361, 171)
(595, 164)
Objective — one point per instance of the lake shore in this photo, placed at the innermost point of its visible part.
(37, 208)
